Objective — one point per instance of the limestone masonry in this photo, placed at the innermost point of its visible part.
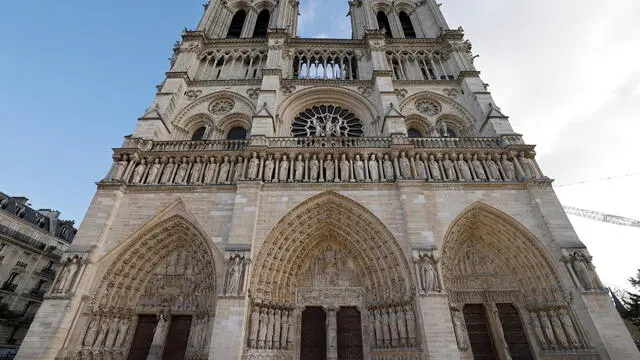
(321, 199)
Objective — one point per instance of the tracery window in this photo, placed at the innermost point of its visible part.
(383, 23)
(407, 26)
(326, 121)
(237, 23)
(262, 24)
(198, 134)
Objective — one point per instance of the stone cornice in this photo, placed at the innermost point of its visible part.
(468, 74)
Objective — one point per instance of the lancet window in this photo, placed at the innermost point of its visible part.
(262, 24)
(383, 23)
(330, 65)
(237, 23)
(407, 26)
(237, 133)
(326, 121)
(420, 65)
(199, 134)
(226, 65)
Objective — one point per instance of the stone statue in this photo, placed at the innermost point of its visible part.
(358, 169)
(284, 169)
(579, 265)
(387, 166)
(223, 175)
(299, 176)
(444, 131)
(449, 168)
(421, 170)
(402, 326)
(548, 330)
(411, 325)
(123, 327)
(92, 331)
(429, 276)
(237, 171)
(569, 329)
(168, 172)
(196, 171)
(254, 163)
(235, 276)
(458, 326)
(557, 327)
(277, 329)
(314, 168)
(405, 166)
(465, 172)
(60, 286)
(270, 328)
(154, 172)
(121, 167)
(138, 172)
(285, 329)
(113, 331)
(478, 168)
(493, 170)
(269, 165)
(509, 169)
(181, 174)
(538, 330)
(102, 334)
(385, 327)
(434, 169)
(210, 172)
(255, 323)
(67, 282)
(329, 173)
(393, 327)
(378, 328)
(344, 169)
(373, 169)
(527, 167)
(262, 333)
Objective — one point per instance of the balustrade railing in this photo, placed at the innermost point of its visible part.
(206, 145)
(321, 142)
(442, 142)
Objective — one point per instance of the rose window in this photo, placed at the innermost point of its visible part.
(428, 107)
(326, 121)
(221, 106)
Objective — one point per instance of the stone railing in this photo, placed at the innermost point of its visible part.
(326, 61)
(309, 160)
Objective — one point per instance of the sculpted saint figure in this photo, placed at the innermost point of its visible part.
(102, 334)
(378, 328)
(196, 171)
(358, 169)
(123, 327)
(254, 163)
(168, 171)
(373, 169)
(402, 326)
(527, 167)
(329, 173)
(493, 170)
(582, 272)
(449, 168)
(569, 329)
(255, 321)
(548, 330)
(314, 168)
(387, 166)
(458, 326)
(269, 165)
(299, 169)
(434, 169)
(285, 329)
(270, 328)
(344, 169)
(393, 327)
(411, 324)
(276, 329)
(210, 172)
(113, 331)
(385, 327)
(92, 331)
(465, 172)
(121, 167)
(509, 169)
(538, 330)
(235, 274)
(429, 277)
(66, 281)
(138, 172)
(237, 171)
(444, 131)
(181, 174)
(557, 327)
(223, 175)
(405, 166)
(421, 170)
(284, 169)
(479, 170)
(262, 333)
(152, 178)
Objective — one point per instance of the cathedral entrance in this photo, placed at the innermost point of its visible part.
(349, 334)
(314, 334)
(142, 337)
(177, 339)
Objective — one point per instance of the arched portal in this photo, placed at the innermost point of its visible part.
(160, 285)
(324, 262)
(503, 284)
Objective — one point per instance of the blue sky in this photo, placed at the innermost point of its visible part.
(75, 76)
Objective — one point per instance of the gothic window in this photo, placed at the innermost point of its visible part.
(326, 121)
(262, 24)
(199, 134)
(237, 23)
(383, 23)
(413, 133)
(407, 26)
(237, 133)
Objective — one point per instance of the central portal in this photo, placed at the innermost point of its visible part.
(328, 334)
(349, 334)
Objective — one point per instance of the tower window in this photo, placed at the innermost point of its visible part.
(237, 133)
(237, 23)
(383, 23)
(198, 134)
(407, 26)
(262, 24)
(413, 133)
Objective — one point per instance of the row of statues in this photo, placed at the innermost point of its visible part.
(393, 326)
(314, 168)
(555, 329)
(271, 327)
(106, 332)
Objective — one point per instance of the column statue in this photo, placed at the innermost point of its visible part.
(152, 178)
(344, 169)
(314, 168)
(254, 327)
(493, 169)
(509, 169)
(478, 168)
(223, 174)
(138, 172)
(434, 168)
(235, 276)
(548, 330)
(388, 168)
(269, 165)
(449, 168)
(329, 169)
(237, 171)
(113, 332)
(458, 326)
(411, 325)
(299, 168)
(92, 331)
(393, 327)
(373, 168)
(196, 171)
(537, 328)
(262, 333)
(181, 174)
(527, 167)
(579, 265)
(405, 166)
(210, 172)
(569, 329)
(168, 172)
(254, 163)
(358, 169)
(285, 329)
(277, 329)
(378, 327)
(421, 170)
(557, 327)
(402, 327)
(283, 172)
(123, 327)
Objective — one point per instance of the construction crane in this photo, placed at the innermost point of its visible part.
(598, 216)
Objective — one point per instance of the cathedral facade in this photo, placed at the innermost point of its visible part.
(326, 199)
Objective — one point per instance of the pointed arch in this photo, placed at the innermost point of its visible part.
(407, 25)
(262, 24)
(237, 23)
(485, 249)
(383, 23)
(330, 218)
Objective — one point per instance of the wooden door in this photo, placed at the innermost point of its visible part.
(143, 337)
(314, 334)
(479, 332)
(349, 334)
(175, 346)
(514, 333)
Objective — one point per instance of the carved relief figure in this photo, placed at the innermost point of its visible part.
(102, 334)
(509, 169)
(284, 169)
(537, 328)
(255, 321)
(527, 167)
(559, 331)
(254, 163)
(429, 276)
(314, 167)
(569, 329)
(154, 172)
(168, 172)
(262, 333)
(210, 172)
(387, 166)
(478, 169)
(268, 169)
(493, 170)
(123, 327)
(92, 331)
(277, 328)
(358, 169)
(196, 171)
(579, 264)
(434, 169)
(113, 331)
(181, 174)
(405, 166)
(138, 172)
(373, 169)
(235, 276)
(121, 167)
(459, 327)
(465, 172)
(237, 171)
(411, 324)
(223, 175)
(421, 170)
(329, 169)
(344, 169)
(449, 168)
(299, 169)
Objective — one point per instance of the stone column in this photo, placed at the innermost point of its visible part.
(332, 332)
(498, 334)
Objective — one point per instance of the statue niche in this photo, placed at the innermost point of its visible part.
(330, 267)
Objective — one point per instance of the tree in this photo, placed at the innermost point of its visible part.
(633, 302)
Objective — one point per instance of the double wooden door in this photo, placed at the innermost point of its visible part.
(175, 345)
